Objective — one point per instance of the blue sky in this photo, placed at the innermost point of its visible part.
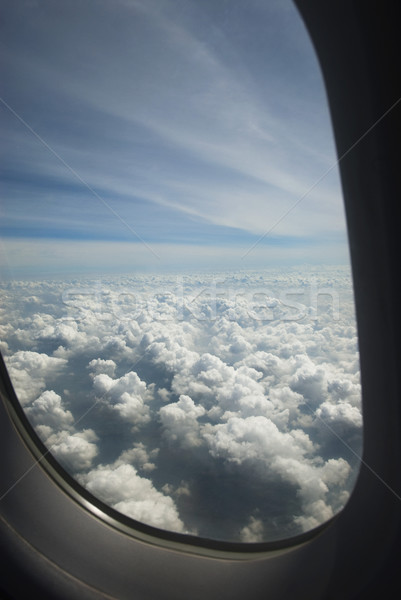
(160, 134)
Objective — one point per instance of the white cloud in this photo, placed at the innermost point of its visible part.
(98, 366)
(140, 457)
(121, 487)
(3, 347)
(30, 371)
(180, 421)
(341, 414)
(310, 381)
(255, 438)
(243, 394)
(291, 456)
(126, 395)
(75, 451)
(48, 410)
(253, 532)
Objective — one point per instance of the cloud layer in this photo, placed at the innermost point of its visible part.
(224, 405)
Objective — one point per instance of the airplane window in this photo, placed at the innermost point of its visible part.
(177, 304)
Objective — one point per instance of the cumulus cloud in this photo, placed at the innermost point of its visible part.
(126, 395)
(98, 366)
(140, 457)
(255, 438)
(310, 381)
(75, 451)
(120, 486)
(3, 347)
(31, 371)
(253, 532)
(342, 413)
(48, 410)
(180, 421)
(217, 369)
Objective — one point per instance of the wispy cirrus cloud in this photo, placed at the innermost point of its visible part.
(178, 116)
